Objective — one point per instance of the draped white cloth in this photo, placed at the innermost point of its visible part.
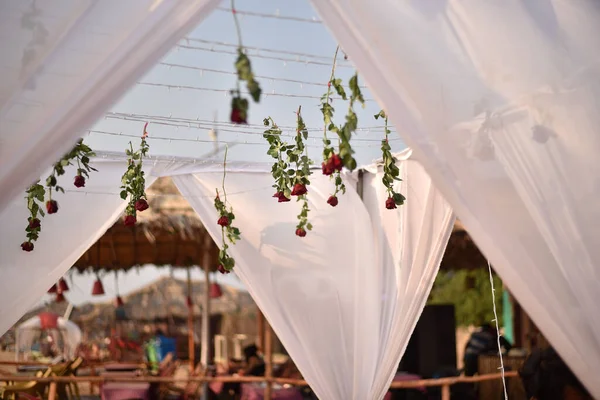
(499, 101)
(64, 63)
(344, 300)
(81, 220)
(29, 332)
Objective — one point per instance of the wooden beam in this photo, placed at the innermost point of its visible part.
(191, 349)
(260, 325)
(205, 349)
(268, 362)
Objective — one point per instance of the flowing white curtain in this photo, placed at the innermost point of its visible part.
(499, 100)
(344, 299)
(81, 220)
(64, 62)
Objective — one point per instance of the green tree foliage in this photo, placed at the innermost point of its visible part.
(471, 294)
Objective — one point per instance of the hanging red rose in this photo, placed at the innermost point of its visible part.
(134, 182)
(391, 172)
(79, 181)
(223, 221)
(36, 193)
(51, 207)
(141, 205)
(390, 204)
(129, 220)
(27, 246)
(222, 269)
(299, 189)
(281, 197)
(300, 232)
(332, 201)
(229, 233)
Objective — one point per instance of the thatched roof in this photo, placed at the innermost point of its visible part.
(462, 252)
(161, 300)
(168, 233)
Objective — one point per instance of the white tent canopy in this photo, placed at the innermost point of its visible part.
(343, 300)
(498, 100)
(29, 331)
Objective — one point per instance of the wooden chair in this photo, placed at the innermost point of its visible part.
(31, 388)
(192, 389)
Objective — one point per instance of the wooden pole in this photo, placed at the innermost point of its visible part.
(205, 349)
(260, 322)
(191, 349)
(52, 391)
(268, 361)
(446, 392)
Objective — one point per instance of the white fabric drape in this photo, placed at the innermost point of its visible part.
(81, 220)
(499, 100)
(344, 299)
(64, 62)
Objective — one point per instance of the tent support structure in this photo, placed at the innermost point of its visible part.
(191, 349)
(268, 361)
(205, 341)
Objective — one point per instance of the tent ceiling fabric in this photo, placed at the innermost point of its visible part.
(499, 101)
(51, 90)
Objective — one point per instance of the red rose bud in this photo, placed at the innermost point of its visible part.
(390, 204)
(336, 162)
(79, 181)
(327, 168)
(51, 206)
(281, 197)
(129, 220)
(332, 201)
(34, 223)
(223, 221)
(27, 246)
(237, 116)
(300, 232)
(299, 189)
(222, 269)
(141, 205)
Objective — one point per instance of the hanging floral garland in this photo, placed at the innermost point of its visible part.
(36, 193)
(243, 67)
(229, 233)
(391, 172)
(133, 182)
(279, 170)
(299, 156)
(291, 168)
(332, 162)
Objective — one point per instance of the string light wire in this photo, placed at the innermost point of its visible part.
(501, 368)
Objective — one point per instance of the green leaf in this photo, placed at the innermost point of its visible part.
(123, 194)
(309, 226)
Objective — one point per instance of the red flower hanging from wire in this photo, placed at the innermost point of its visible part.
(134, 182)
(243, 68)
(36, 193)
(391, 172)
(229, 233)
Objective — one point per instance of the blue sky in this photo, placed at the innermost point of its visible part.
(187, 105)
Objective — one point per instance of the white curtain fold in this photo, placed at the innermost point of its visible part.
(344, 300)
(81, 220)
(65, 62)
(499, 101)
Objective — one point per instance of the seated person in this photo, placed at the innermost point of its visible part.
(255, 365)
(483, 341)
(545, 376)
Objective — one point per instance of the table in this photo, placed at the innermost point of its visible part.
(252, 391)
(125, 391)
(403, 377)
(122, 367)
